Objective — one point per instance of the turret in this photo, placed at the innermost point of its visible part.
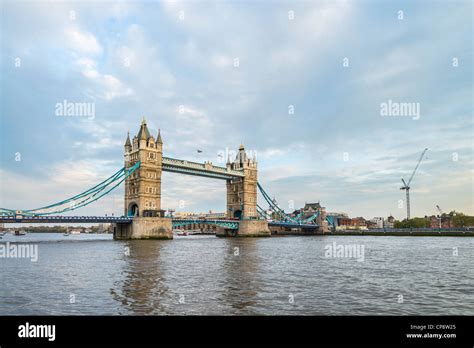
(241, 160)
(158, 138)
(143, 135)
(128, 144)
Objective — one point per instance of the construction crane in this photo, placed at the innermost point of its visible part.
(440, 215)
(406, 186)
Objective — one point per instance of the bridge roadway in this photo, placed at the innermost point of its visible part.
(224, 223)
(65, 219)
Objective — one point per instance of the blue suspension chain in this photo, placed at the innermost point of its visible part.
(91, 195)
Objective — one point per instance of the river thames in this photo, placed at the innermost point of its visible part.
(204, 275)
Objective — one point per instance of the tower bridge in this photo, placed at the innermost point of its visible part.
(143, 189)
(143, 217)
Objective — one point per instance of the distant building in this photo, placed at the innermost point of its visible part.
(380, 222)
(215, 215)
(183, 214)
(194, 215)
(336, 217)
(377, 222)
(389, 223)
(445, 220)
(310, 209)
(104, 228)
(357, 223)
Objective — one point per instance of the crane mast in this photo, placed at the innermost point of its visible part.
(440, 215)
(406, 186)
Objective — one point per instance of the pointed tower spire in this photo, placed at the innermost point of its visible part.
(127, 142)
(143, 134)
(158, 138)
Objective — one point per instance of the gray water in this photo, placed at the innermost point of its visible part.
(205, 275)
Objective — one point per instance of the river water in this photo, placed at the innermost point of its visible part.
(205, 275)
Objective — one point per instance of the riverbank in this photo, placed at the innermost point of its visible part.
(428, 232)
(405, 232)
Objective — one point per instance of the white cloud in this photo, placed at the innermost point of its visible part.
(221, 61)
(109, 86)
(60, 181)
(82, 41)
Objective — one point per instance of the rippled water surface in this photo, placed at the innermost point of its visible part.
(213, 276)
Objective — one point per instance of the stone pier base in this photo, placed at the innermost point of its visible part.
(145, 228)
(247, 228)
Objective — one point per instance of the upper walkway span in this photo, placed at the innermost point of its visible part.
(206, 169)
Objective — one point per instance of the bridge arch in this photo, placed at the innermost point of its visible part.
(238, 214)
(133, 209)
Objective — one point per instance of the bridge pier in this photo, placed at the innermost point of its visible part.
(247, 228)
(144, 228)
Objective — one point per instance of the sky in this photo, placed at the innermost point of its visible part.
(300, 83)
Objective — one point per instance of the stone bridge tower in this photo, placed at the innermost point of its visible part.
(143, 189)
(242, 192)
(242, 196)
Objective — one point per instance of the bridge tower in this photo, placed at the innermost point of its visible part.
(242, 196)
(242, 192)
(143, 188)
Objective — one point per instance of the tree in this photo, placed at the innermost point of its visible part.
(462, 220)
(413, 223)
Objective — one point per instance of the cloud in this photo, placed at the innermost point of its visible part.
(62, 180)
(106, 86)
(82, 41)
(141, 59)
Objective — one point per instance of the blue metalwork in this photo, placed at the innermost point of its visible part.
(65, 219)
(228, 224)
(263, 213)
(199, 169)
(275, 208)
(331, 220)
(286, 220)
(85, 198)
(311, 218)
(291, 224)
(6, 212)
(298, 217)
